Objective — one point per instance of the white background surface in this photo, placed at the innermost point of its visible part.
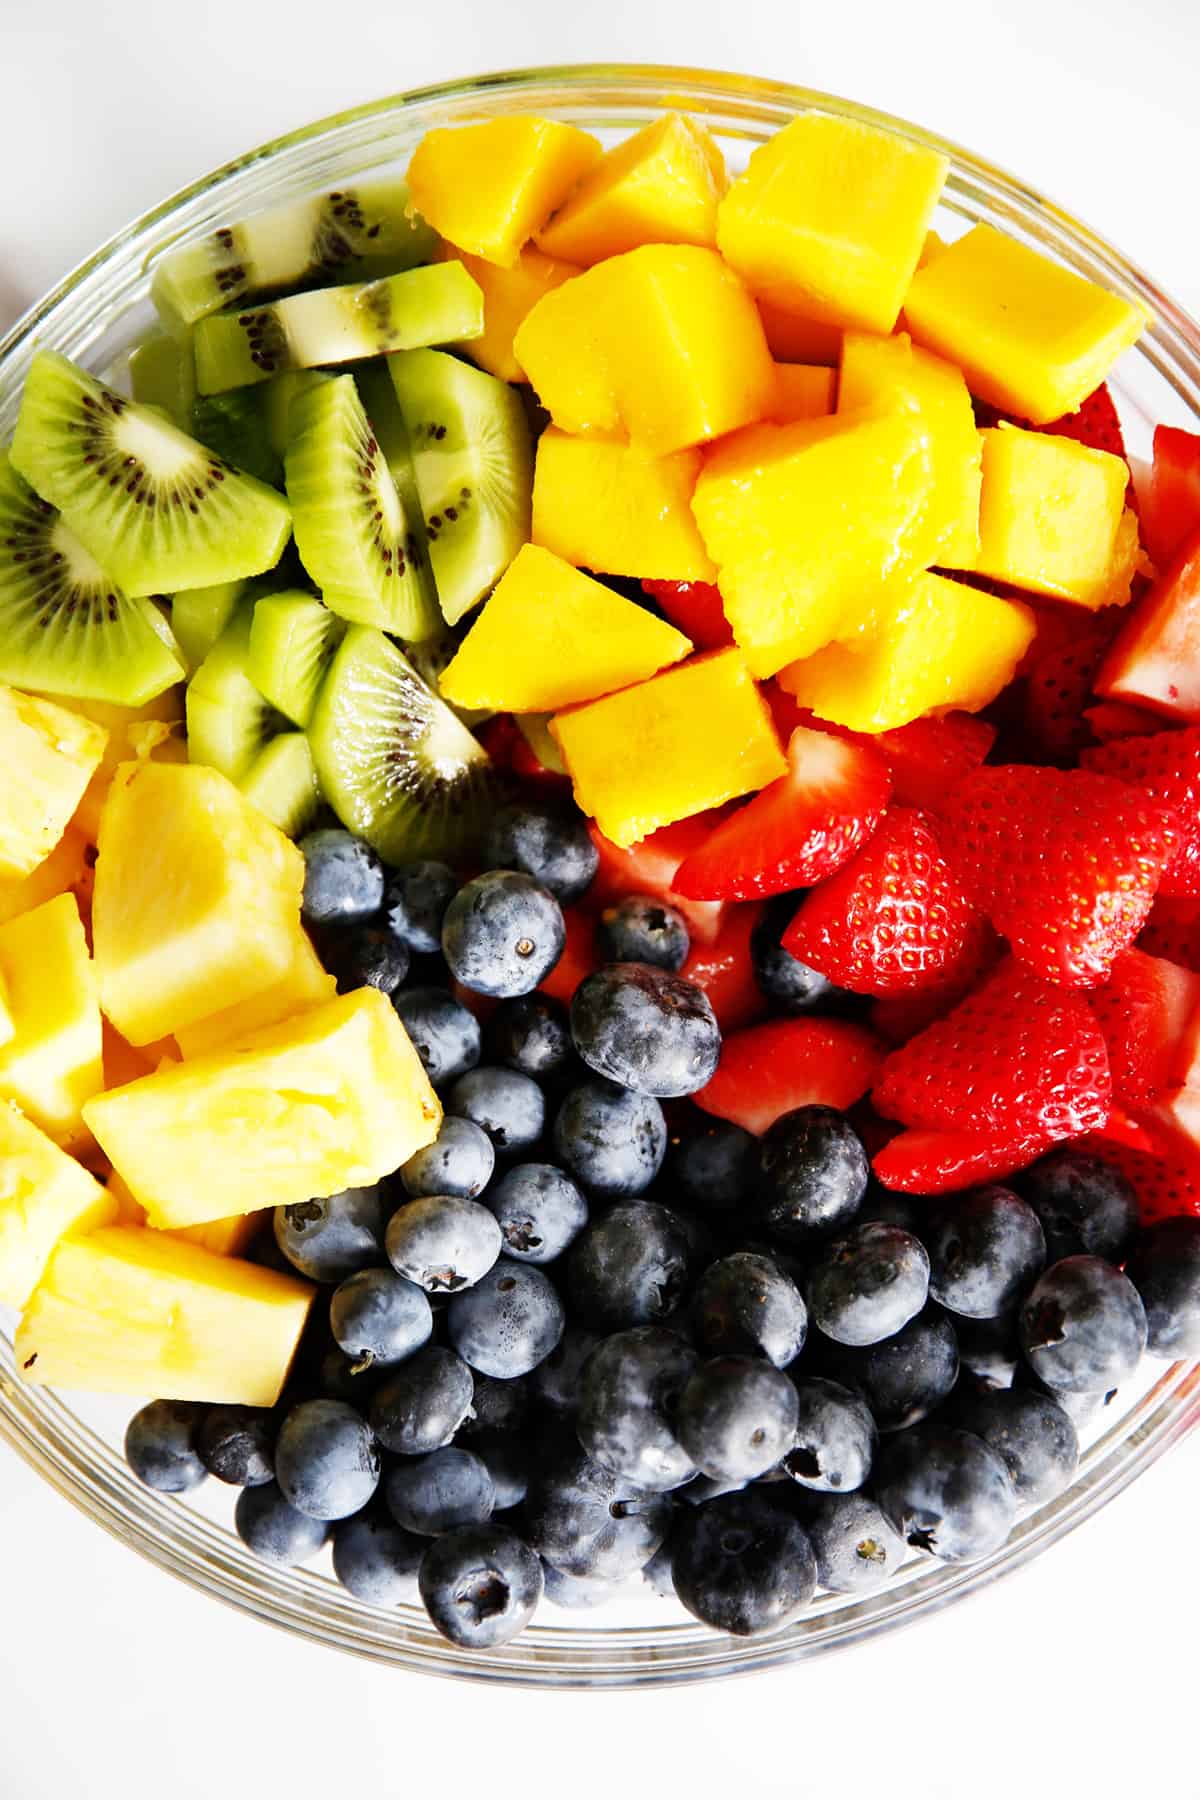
(1076, 1677)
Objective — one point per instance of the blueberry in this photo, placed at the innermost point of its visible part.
(459, 1162)
(378, 1317)
(531, 1034)
(445, 1035)
(641, 929)
(342, 1377)
(985, 1253)
(867, 1285)
(497, 1406)
(630, 1267)
(545, 839)
(503, 933)
(480, 1586)
(812, 1174)
(440, 1492)
(743, 1564)
(273, 1530)
(657, 1574)
(1083, 1410)
(442, 1242)
(588, 1521)
(886, 1207)
(629, 1394)
(506, 1457)
(1032, 1435)
(835, 1438)
(790, 985)
(646, 1029)
(611, 1141)
(577, 1593)
(237, 1445)
(703, 1488)
(367, 957)
(415, 903)
(421, 1405)
(326, 1459)
(160, 1446)
(1165, 1269)
(507, 1323)
(1083, 1326)
(745, 1305)
(375, 1559)
(1086, 1207)
(508, 1106)
(331, 1238)
(557, 1380)
(715, 1170)
(989, 1350)
(856, 1549)
(906, 1377)
(343, 879)
(539, 1210)
(947, 1492)
(737, 1417)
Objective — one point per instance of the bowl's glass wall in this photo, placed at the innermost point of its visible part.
(99, 313)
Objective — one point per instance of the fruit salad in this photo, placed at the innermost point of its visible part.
(600, 875)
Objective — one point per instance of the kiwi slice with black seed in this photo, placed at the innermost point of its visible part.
(156, 509)
(65, 626)
(293, 638)
(392, 760)
(229, 723)
(473, 460)
(235, 426)
(282, 783)
(162, 373)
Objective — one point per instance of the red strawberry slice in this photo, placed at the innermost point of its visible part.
(1171, 503)
(1017, 1059)
(696, 609)
(578, 959)
(898, 1017)
(943, 1162)
(894, 919)
(1095, 424)
(1145, 1012)
(1167, 766)
(1111, 719)
(1165, 1184)
(1173, 931)
(770, 1069)
(650, 868)
(1060, 670)
(929, 757)
(1064, 862)
(1154, 661)
(725, 970)
(798, 830)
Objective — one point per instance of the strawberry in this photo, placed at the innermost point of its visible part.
(1065, 863)
(1154, 661)
(650, 867)
(770, 1069)
(894, 919)
(1165, 1184)
(1060, 668)
(898, 1017)
(1166, 765)
(1173, 931)
(1016, 1060)
(725, 971)
(1145, 1010)
(1171, 505)
(1111, 719)
(929, 757)
(1095, 424)
(798, 830)
(578, 958)
(942, 1162)
(696, 609)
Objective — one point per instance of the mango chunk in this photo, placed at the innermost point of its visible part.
(131, 1311)
(675, 745)
(805, 520)
(305, 984)
(224, 1237)
(52, 1063)
(663, 344)
(332, 1099)
(44, 1193)
(7, 1028)
(1030, 336)
(829, 219)
(550, 636)
(602, 505)
(802, 391)
(661, 186)
(50, 755)
(794, 338)
(488, 188)
(509, 295)
(936, 646)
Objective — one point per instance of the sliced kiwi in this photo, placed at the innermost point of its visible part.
(282, 783)
(435, 305)
(292, 642)
(162, 373)
(353, 534)
(235, 426)
(535, 729)
(200, 615)
(392, 760)
(473, 460)
(431, 659)
(229, 723)
(65, 627)
(155, 508)
(275, 398)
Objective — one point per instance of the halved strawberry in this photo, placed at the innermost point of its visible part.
(1154, 660)
(1095, 423)
(1145, 1011)
(894, 919)
(725, 970)
(1165, 1185)
(1173, 931)
(1060, 670)
(1065, 863)
(696, 609)
(898, 1017)
(579, 958)
(1167, 766)
(798, 830)
(650, 867)
(1112, 719)
(929, 757)
(771, 1069)
(943, 1162)
(1171, 501)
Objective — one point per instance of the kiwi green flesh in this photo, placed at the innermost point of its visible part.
(282, 783)
(234, 425)
(392, 760)
(293, 638)
(229, 723)
(431, 659)
(200, 615)
(162, 372)
(65, 627)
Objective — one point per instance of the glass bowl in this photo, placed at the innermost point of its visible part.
(96, 315)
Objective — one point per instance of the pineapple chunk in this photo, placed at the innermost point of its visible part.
(52, 1062)
(56, 752)
(224, 1237)
(134, 734)
(197, 899)
(44, 1193)
(67, 869)
(333, 1099)
(305, 985)
(7, 1028)
(130, 1311)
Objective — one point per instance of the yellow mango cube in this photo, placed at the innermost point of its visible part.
(487, 188)
(829, 219)
(661, 186)
(334, 1098)
(550, 636)
(131, 1311)
(509, 295)
(305, 984)
(1029, 335)
(602, 505)
(935, 646)
(134, 733)
(802, 391)
(1052, 518)
(224, 1237)
(50, 755)
(7, 1028)
(794, 338)
(52, 1063)
(805, 520)
(663, 344)
(44, 1193)
(67, 869)
(675, 745)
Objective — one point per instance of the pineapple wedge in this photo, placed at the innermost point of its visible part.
(335, 1098)
(43, 1194)
(7, 1028)
(224, 1237)
(135, 733)
(67, 869)
(131, 1311)
(305, 985)
(52, 1062)
(57, 753)
(197, 899)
